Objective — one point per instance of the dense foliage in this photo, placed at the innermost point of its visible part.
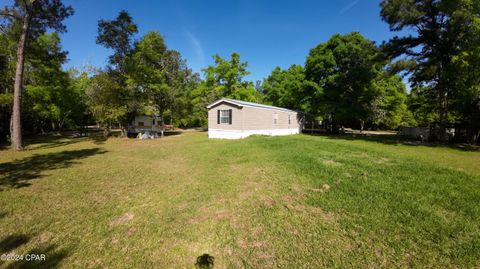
(28, 20)
(346, 81)
(224, 79)
(441, 55)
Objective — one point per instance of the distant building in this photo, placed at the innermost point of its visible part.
(142, 124)
(234, 119)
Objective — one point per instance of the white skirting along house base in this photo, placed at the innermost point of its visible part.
(237, 134)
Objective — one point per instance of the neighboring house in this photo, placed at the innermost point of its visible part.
(234, 119)
(425, 133)
(141, 124)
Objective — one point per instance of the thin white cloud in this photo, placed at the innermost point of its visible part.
(196, 46)
(349, 6)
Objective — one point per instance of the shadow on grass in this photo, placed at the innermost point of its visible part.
(205, 261)
(172, 133)
(50, 141)
(12, 242)
(18, 173)
(399, 140)
(2, 214)
(47, 256)
(99, 139)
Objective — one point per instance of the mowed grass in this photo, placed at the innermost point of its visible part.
(261, 202)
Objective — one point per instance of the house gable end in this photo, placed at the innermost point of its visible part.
(223, 102)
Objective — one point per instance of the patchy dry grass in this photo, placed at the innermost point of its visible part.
(261, 202)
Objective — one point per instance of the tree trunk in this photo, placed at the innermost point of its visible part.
(443, 112)
(124, 130)
(16, 120)
(474, 134)
(106, 131)
(163, 124)
(171, 113)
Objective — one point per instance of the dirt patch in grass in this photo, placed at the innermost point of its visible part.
(246, 195)
(44, 237)
(252, 186)
(317, 211)
(259, 252)
(381, 161)
(223, 214)
(324, 188)
(211, 213)
(311, 210)
(119, 220)
(359, 155)
(258, 172)
(331, 163)
(268, 203)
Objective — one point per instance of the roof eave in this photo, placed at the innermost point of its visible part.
(224, 101)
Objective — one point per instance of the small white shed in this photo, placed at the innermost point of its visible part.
(141, 124)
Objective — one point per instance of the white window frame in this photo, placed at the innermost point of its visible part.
(275, 118)
(225, 116)
(289, 119)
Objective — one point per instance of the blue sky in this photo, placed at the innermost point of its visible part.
(265, 33)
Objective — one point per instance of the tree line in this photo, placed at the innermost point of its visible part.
(346, 81)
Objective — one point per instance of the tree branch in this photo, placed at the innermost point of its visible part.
(6, 14)
(3, 30)
(28, 5)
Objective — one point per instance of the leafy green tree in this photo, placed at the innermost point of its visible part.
(48, 94)
(162, 75)
(35, 17)
(441, 29)
(186, 113)
(421, 102)
(286, 88)
(79, 83)
(344, 68)
(104, 98)
(118, 35)
(346, 83)
(389, 106)
(7, 72)
(146, 70)
(48, 102)
(466, 97)
(224, 79)
(182, 81)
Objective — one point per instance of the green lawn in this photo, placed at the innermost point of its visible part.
(262, 202)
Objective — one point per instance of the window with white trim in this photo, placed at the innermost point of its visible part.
(225, 116)
(289, 119)
(275, 118)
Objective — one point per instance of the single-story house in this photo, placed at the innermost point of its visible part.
(142, 124)
(234, 119)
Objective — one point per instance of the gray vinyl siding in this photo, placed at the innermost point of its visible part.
(237, 117)
(263, 119)
(252, 118)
